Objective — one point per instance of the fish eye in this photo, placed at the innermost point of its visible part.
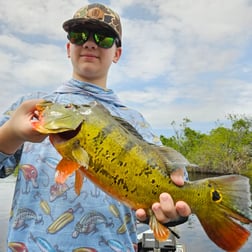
(68, 106)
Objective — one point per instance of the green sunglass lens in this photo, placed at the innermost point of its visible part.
(103, 40)
(78, 38)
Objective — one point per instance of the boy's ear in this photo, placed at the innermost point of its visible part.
(68, 49)
(117, 55)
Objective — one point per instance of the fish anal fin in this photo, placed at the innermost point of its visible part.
(79, 178)
(160, 232)
(64, 169)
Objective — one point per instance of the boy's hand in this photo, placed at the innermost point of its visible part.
(165, 210)
(18, 128)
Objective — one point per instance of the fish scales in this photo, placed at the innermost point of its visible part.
(129, 166)
(115, 157)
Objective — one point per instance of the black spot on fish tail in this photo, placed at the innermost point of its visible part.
(216, 196)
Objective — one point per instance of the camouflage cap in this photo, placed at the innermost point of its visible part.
(95, 14)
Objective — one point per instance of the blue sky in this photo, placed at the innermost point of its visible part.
(181, 58)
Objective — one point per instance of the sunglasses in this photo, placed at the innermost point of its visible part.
(101, 39)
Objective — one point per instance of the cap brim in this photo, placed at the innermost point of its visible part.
(78, 23)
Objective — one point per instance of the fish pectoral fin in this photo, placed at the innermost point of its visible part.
(160, 232)
(64, 169)
(81, 156)
(79, 178)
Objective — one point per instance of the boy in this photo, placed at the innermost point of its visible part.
(49, 216)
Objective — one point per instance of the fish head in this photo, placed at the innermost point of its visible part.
(55, 118)
(63, 123)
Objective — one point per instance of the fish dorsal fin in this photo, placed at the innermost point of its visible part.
(127, 126)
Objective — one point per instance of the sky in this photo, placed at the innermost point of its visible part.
(181, 58)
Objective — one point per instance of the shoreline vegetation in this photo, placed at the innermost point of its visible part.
(222, 151)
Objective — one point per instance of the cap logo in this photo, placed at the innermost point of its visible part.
(95, 13)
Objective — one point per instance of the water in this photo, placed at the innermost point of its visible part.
(191, 233)
(195, 239)
(6, 194)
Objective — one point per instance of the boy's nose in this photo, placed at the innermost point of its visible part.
(90, 41)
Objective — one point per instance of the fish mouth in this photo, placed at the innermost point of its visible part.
(65, 136)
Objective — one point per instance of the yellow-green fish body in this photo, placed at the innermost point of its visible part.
(110, 152)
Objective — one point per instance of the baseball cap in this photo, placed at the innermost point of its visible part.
(95, 15)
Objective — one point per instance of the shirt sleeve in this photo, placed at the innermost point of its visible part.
(8, 163)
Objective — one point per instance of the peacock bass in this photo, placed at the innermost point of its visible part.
(113, 155)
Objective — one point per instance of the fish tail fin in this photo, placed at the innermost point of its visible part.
(64, 169)
(160, 232)
(226, 233)
(229, 203)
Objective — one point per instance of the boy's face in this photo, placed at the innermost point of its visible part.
(91, 62)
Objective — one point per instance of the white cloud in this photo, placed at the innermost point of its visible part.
(182, 39)
(181, 58)
(26, 67)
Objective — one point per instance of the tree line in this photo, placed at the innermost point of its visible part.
(224, 150)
